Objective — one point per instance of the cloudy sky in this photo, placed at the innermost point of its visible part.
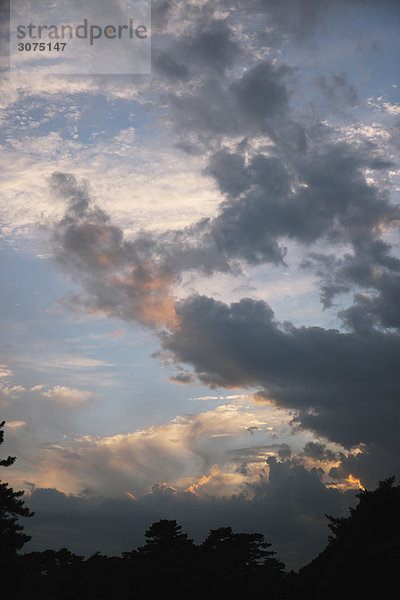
(201, 277)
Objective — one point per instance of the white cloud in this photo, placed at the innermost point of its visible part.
(180, 453)
(15, 424)
(15, 87)
(392, 109)
(5, 371)
(11, 391)
(161, 189)
(37, 388)
(64, 362)
(68, 397)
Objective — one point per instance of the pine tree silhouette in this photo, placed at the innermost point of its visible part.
(11, 508)
(363, 552)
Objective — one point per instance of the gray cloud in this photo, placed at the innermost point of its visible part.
(183, 378)
(303, 185)
(319, 451)
(376, 463)
(289, 509)
(247, 106)
(373, 308)
(268, 23)
(205, 44)
(169, 67)
(342, 385)
(298, 18)
(338, 92)
(333, 202)
(265, 204)
(119, 277)
(306, 184)
(372, 268)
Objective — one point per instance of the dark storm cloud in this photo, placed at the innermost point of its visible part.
(319, 451)
(374, 464)
(342, 385)
(249, 227)
(321, 194)
(380, 307)
(215, 48)
(289, 509)
(333, 201)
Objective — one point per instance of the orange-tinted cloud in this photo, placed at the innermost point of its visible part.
(204, 480)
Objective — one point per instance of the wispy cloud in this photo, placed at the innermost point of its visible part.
(68, 397)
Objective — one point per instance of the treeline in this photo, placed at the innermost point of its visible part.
(361, 558)
(169, 563)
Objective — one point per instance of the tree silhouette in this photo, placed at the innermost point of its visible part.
(50, 573)
(363, 552)
(168, 553)
(239, 564)
(165, 536)
(375, 520)
(11, 508)
(240, 551)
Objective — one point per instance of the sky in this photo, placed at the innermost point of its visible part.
(200, 277)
